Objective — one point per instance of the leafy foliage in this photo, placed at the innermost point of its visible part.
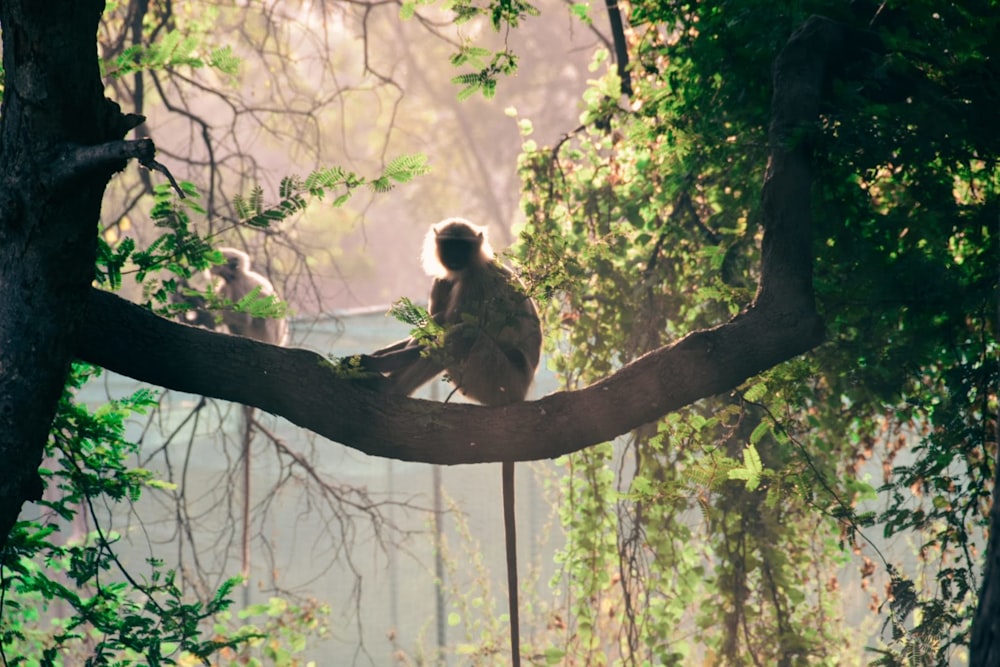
(293, 190)
(425, 329)
(503, 15)
(644, 225)
(175, 49)
(115, 617)
(181, 252)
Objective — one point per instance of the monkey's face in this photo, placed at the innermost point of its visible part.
(456, 253)
(228, 270)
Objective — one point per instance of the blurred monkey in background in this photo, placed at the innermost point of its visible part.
(232, 280)
(238, 280)
(492, 344)
(190, 294)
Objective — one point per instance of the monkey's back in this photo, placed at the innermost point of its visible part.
(494, 337)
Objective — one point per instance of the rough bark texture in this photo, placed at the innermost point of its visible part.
(53, 105)
(984, 645)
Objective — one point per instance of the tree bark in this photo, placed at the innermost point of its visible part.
(984, 644)
(53, 108)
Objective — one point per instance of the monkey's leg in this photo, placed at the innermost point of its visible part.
(395, 347)
(391, 359)
(409, 378)
(510, 533)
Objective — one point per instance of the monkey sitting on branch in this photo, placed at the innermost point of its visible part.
(491, 346)
(230, 281)
(238, 280)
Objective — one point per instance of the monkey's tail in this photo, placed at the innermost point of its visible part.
(510, 533)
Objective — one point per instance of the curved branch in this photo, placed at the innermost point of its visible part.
(300, 386)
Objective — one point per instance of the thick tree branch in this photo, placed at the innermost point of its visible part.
(74, 161)
(301, 387)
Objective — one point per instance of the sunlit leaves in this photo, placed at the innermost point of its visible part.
(751, 470)
(174, 49)
(485, 79)
(121, 620)
(425, 329)
(294, 191)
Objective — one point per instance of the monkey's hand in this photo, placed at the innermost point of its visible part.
(401, 367)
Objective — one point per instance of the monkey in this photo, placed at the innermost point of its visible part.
(491, 348)
(190, 294)
(238, 281)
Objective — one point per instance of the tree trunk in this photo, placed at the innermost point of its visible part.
(984, 645)
(50, 200)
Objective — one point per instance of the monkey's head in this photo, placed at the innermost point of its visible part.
(452, 245)
(236, 262)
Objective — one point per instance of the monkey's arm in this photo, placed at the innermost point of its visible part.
(395, 347)
(439, 300)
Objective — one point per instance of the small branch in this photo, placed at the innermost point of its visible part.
(621, 48)
(153, 165)
(76, 161)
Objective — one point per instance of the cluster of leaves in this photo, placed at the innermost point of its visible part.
(425, 329)
(293, 190)
(174, 49)
(489, 65)
(114, 618)
(645, 225)
(278, 632)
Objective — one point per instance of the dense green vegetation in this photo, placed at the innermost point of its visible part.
(644, 224)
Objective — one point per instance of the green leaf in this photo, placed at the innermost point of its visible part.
(759, 432)
(553, 656)
(751, 459)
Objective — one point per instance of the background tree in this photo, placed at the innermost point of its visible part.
(654, 205)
